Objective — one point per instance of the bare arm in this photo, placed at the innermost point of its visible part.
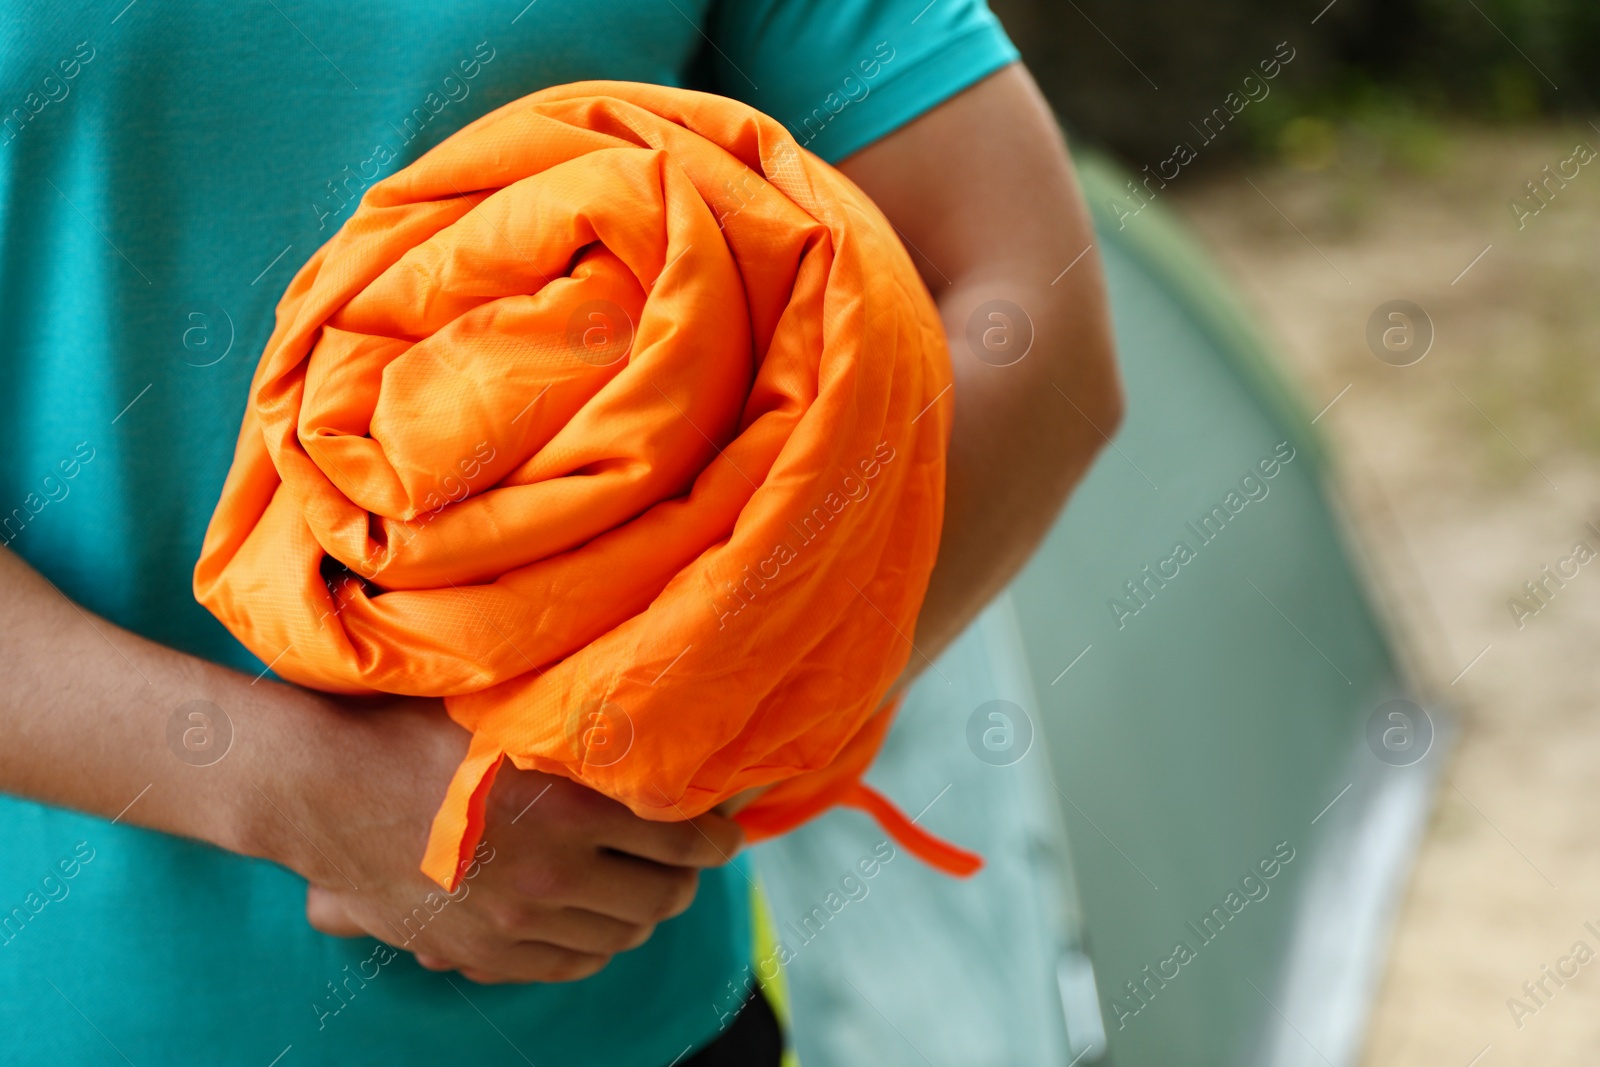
(981, 189)
(341, 793)
(83, 718)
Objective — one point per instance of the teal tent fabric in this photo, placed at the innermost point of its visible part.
(912, 963)
(1201, 722)
(1221, 705)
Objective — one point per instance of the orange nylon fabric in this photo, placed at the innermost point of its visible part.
(617, 420)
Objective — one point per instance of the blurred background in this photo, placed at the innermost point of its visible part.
(1422, 150)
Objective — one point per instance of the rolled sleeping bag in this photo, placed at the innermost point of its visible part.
(618, 421)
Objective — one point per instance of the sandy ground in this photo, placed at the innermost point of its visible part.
(1466, 473)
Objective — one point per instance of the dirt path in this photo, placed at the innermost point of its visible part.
(1466, 473)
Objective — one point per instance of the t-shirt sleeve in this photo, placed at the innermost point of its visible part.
(842, 73)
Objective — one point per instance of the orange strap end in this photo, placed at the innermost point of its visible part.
(939, 854)
(458, 826)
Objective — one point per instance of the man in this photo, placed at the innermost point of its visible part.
(167, 166)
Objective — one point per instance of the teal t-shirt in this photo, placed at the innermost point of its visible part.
(166, 166)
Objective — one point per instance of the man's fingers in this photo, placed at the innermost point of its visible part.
(472, 974)
(434, 963)
(710, 840)
(547, 961)
(585, 931)
(535, 961)
(521, 962)
(634, 891)
(327, 915)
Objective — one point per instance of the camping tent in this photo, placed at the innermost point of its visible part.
(1212, 727)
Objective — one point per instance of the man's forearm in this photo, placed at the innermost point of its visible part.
(1023, 437)
(84, 724)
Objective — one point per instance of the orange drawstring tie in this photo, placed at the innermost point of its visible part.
(935, 852)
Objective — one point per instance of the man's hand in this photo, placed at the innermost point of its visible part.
(343, 792)
(565, 879)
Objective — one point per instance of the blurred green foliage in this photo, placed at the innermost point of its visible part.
(1502, 59)
(1381, 79)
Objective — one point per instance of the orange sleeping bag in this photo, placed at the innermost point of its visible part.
(618, 421)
